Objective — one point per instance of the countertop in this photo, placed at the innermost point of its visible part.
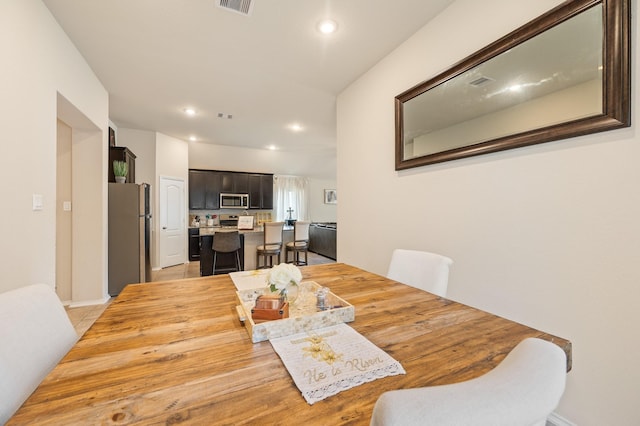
(210, 230)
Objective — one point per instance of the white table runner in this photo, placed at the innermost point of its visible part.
(326, 361)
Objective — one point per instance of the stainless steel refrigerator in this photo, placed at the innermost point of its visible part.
(129, 235)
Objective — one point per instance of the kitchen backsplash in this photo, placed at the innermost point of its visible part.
(214, 216)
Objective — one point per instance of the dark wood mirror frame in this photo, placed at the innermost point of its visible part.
(616, 94)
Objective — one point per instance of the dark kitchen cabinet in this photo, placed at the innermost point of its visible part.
(255, 191)
(227, 182)
(322, 239)
(204, 190)
(121, 153)
(235, 182)
(266, 197)
(241, 183)
(194, 244)
(261, 191)
(205, 187)
(212, 191)
(197, 185)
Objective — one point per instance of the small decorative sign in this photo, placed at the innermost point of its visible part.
(245, 222)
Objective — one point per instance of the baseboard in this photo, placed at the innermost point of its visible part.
(555, 420)
(89, 302)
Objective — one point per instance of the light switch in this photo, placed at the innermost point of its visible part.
(37, 202)
(66, 206)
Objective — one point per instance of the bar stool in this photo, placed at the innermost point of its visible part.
(271, 246)
(226, 242)
(300, 244)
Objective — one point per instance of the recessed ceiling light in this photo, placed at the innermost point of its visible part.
(190, 111)
(193, 138)
(327, 26)
(296, 127)
(272, 147)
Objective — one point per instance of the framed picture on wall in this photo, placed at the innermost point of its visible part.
(330, 196)
(112, 137)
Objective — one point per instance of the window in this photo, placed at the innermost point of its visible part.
(290, 192)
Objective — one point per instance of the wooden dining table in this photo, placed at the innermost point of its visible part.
(175, 352)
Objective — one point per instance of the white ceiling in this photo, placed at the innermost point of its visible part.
(269, 69)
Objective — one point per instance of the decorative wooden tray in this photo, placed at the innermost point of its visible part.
(303, 314)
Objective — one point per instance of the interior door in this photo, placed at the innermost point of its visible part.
(172, 222)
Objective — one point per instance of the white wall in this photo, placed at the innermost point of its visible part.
(38, 63)
(222, 157)
(547, 235)
(143, 144)
(318, 210)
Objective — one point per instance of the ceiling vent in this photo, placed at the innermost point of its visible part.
(239, 6)
(481, 81)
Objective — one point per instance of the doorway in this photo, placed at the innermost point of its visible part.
(172, 221)
(63, 211)
(80, 243)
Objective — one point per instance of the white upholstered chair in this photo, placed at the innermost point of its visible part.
(420, 269)
(35, 333)
(521, 391)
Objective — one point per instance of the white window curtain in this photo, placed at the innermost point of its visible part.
(291, 192)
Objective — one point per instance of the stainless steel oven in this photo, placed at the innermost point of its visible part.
(234, 201)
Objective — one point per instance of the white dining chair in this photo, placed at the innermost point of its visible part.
(35, 333)
(521, 391)
(420, 269)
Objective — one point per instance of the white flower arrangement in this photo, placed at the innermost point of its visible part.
(280, 276)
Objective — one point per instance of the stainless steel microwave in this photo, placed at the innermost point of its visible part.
(234, 201)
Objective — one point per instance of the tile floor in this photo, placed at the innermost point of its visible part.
(83, 317)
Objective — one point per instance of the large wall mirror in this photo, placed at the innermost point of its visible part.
(566, 73)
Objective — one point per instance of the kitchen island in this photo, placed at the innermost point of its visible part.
(249, 239)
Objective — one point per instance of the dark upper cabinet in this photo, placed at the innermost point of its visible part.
(260, 191)
(255, 191)
(204, 190)
(234, 182)
(212, 191)
(241, 183)
(205, 187)
(121, 153)
(266, 199)
(197, 187)
(227, 182)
